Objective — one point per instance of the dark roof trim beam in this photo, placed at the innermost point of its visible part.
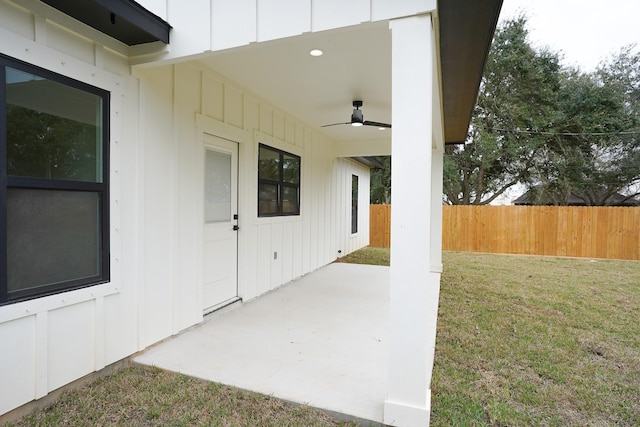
(124, 20)
(466, 32)
(369, 161)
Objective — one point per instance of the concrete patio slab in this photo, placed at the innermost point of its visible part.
(319, 340)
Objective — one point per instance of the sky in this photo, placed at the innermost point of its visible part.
(583, 31)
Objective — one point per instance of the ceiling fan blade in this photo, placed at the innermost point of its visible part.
(335, 124)
(377, 124)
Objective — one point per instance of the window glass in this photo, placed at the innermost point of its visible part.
(52, 237)
(278, 182)
(217, 186)
(269, 164)
(53, 130)
(291, 169)
(290, 200)
(354, 204)
(267, 199)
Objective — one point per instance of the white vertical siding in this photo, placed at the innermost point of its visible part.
(60, 338)
(156, 202)
(346, 241)
(232, 23)
(324, 16)
(273, 250)
(187, 277)
(70, 343)
(158, 198)
(18, 362)
(191, 22)
(212, 25)
(274, 24)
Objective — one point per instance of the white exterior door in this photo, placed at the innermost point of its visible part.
(220, 234)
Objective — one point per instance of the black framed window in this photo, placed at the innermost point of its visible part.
(278, 182)
(354, 204)
(54, 182)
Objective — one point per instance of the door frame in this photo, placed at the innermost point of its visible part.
(216, 144)
(213, 127)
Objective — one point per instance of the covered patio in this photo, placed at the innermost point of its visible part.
(236, 84)
(321, 340)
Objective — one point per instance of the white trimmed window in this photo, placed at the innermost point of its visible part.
(54, 183)
(278, 182)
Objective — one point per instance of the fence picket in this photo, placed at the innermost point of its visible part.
(591, 232)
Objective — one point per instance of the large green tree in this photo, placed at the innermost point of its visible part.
(560, 132)
(594, 154)
(518, 95)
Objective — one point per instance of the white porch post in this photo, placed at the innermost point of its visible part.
(416, 224)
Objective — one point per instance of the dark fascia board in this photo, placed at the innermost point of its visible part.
(370, 162)
(466, 33)
(124, 20)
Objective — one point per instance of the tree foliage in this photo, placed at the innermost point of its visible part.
(558, 131)
(518, 92)
(49, 146)
(381, 182)
(595, 154)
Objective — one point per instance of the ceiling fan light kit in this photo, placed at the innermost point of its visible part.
(357, 119)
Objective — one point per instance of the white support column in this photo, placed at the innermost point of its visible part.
(415, 223)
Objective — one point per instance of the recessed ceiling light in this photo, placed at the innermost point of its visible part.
(382, 128)
(315, 52)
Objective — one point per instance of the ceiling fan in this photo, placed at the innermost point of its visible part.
(357, 119)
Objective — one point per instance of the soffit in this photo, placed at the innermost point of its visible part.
(356, 65)
(466, 32)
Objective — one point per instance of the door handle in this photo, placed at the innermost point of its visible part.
(236, 228)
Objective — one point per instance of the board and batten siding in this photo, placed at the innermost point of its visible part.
(158, 117)
(51, 341)
(181, 102)
(211, 25)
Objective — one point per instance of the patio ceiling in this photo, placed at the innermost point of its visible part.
(356, 64)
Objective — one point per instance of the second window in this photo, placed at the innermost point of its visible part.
(278, 182)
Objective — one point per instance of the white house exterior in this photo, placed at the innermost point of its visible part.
(234, 89)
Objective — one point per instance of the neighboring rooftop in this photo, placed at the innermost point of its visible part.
(535, 197)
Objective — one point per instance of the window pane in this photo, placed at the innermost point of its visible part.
(217, 187)
(354, 204)
(53, 130)
(291, 169)
(290, 203)
(269, 164)
(267, 199)
(52, 237)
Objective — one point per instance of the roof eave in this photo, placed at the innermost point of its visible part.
(124, 20)
(466, 33)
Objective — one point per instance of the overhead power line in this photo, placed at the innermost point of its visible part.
(534, 132)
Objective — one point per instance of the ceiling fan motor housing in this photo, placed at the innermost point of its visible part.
(356, 117)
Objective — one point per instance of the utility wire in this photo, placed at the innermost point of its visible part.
(533, 132)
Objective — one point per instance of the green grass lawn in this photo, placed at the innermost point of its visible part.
(368, 255)
(537, 341)
(521, 341)
(141, 396)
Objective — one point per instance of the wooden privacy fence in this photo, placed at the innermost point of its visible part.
(592, 232)
(380, 226)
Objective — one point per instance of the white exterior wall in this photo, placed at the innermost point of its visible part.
(181, 103)
(223, 24)
(157, 121)
(51, 341)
